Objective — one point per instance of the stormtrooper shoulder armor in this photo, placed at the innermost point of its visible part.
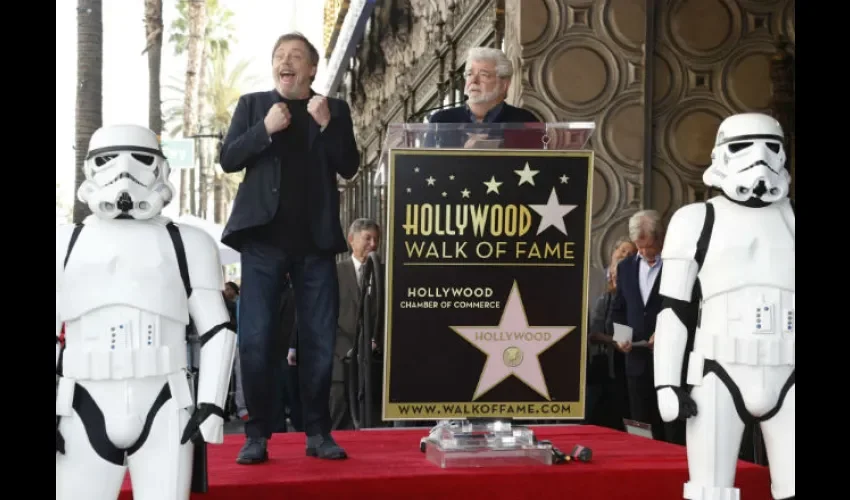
(685, 231)
(685, 244)
(202, 259)
(63, 241)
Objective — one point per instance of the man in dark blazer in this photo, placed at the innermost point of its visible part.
(292, 144)
(488, 77)
(636, 305)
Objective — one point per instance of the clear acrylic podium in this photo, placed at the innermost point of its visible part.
(562, 136)
(468, 440)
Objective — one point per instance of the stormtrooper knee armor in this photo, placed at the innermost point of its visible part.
(740, 246)
(127, 282)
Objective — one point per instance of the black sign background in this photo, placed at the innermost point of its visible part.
(426, 362)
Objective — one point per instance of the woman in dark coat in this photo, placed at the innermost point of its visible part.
(607, 399)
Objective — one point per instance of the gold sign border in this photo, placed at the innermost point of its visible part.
(391, 411)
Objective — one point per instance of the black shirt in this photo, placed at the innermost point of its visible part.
(290, 227)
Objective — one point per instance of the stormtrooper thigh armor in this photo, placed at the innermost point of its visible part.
(742, 367)
(124, 398)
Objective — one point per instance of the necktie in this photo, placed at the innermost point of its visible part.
(360, 277)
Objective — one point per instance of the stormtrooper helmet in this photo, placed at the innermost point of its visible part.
(126, 174)
(748, 160)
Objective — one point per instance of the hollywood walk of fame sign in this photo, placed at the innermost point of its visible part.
(487, 284)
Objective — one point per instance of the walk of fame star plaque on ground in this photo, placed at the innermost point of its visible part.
(487, 284)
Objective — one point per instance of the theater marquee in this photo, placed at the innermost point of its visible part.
(487, 284)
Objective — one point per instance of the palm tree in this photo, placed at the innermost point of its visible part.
(217, 35)
(153, 48)
(193, 13)
(224, 89)
(89, 105)
(62, 211)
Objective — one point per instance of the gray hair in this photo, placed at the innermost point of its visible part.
(362, 224)
(504, 67)
(645, 222)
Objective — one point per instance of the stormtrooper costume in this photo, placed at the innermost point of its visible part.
(127, 282)
(740, 245)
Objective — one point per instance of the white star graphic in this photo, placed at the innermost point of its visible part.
(526, 175)
(465, 193)
(564, 179)
(408, 190)
(552, 214)
(513, 347)
(430, 180)
(445, 194)
(451, 177)
(492, 185)
(416, 169)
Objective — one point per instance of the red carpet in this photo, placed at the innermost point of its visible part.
(387, 464)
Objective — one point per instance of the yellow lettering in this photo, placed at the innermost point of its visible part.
(427, 225)
(411, 219)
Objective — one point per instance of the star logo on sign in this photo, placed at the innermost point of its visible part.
(430, 180)
(526, 175)
(552, 213)
(513, 347)
(492, 185)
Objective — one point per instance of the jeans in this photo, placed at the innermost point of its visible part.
(314, 278)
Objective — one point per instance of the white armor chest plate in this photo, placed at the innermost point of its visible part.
(747, 315)
(749, 247)
(123, 302)
(123, 263)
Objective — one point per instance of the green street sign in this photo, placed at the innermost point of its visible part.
(179, 152)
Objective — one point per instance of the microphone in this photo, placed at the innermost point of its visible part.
(581, 453)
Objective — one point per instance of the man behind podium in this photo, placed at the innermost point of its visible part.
(292, 143)
(488, 77)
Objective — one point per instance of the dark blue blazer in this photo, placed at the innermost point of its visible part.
(460, 114)
(247, 145)
(508, 114)
(629, 309)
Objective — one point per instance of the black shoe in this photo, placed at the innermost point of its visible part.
(253, 452)
(324, 447)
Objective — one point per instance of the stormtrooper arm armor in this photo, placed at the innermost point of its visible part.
(63, 240)
(682, 257)
(206, 306)
(58, 330)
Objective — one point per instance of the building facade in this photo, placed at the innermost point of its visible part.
(575, 60)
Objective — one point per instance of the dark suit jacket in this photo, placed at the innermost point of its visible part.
(460, 114)
(629, 309)
(349, 306)
(247, 145)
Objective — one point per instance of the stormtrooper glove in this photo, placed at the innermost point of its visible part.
(687, 406)
(193, 428)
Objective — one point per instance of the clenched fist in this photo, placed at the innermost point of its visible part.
(278, 118)
(318, 109)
